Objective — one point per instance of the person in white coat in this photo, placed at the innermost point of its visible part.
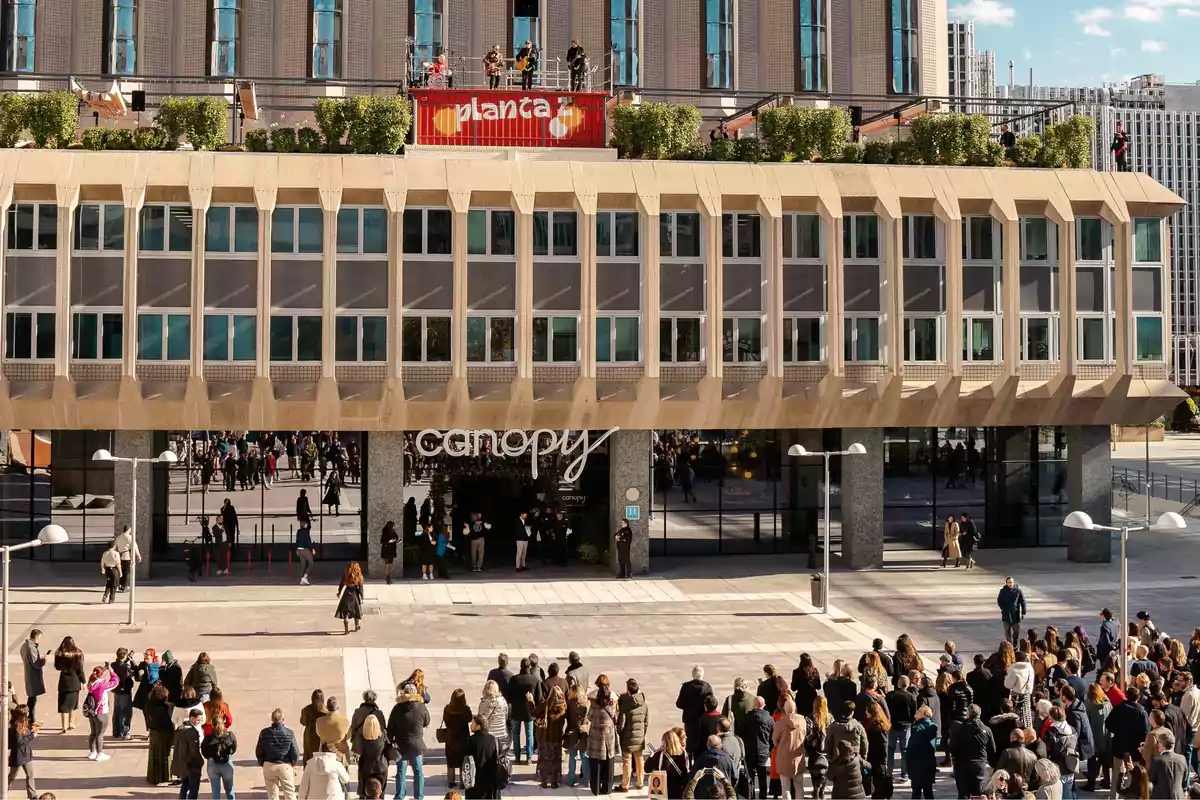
(325, 777)
(1019, 682)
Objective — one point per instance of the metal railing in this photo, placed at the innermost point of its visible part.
(1136, 484)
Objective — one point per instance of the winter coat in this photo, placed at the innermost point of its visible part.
(458, 730)
(788, 740)
(34, 662)
(276, 745)
(360, 716)
(186, 759)
(495, 711)
(980, 681)
(756, 734)
(325, 778)
(921, 753)
(334, 727)
(202, 678)
(576, 673)
(1077, 717)
(1017, 759)
(929, 697)
(845, 776)
(1128, 725)
(849, 730)
(633, 718)
(738, 705)
(20, 747)
(309, 738)
(1002, 726)
(901, 707)
(1060, 740)
(959, 697)
(769, 694)
(806, 689)
(838, 692)
(691, 700)
(518, 687)
(1019, 679)
(1106, 642)
(501, 675)
(551, 723)
(576, 714)
(972, 746)
(171, 676)
(602, 730)
(950, 540)
(1101, 738)
(484, 750)
(1012, 604)
(371, 759)
(407, 724)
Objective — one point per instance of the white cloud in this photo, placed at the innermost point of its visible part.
(984, 12)
(1189, 12)
(1144, 13)
(1151, 46)
(1091, 19)
(1117, 51)
(1028, 54)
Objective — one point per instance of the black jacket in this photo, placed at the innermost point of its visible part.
(958, 697)
(805, 688)
(501, 675)
(483, 748)
(360, 716)
(518, 686)
(691, 700)
(972, 746)
(171, 677)
(1077, 718)
(755, 732)
(277, 745)
(186, 759)
(371, 760)
(20, 747)
(980, 681)
(1017, 759)
(406, 725)
(901, 707)
(845, 774)
(838, 692)
(928, 697)
(1128, 725)
(770, 695)
(1177, 723)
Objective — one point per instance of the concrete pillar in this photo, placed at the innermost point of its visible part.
(265, 202)
(1089, 489)
(67, 199)
(134, 197)
(862, 500)
(200, 200)
(1011, 289)
(458, 310)
(331, 203)
(648, 208)
(134, 444)
(384, 498)
(629, 485)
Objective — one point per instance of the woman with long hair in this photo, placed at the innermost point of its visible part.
(575, 737)
(1098, 709)
(1193, 655)
(602, 747)
(874, 669)
(877, 727)
(550, 725)
(372, 762)
(417, 679)
(787, 741)
(671, 758)
(456, 722)
(814, 745)
(162, 735)
(1177, 654)
(427, 552)
(493, 707)
(68, 660)
(218, 746)
(388, 539)
(20, 747)
(350, 597)
(1052, 639)
(806, 682)
(950, 548)
(907, 659)
(310, 740)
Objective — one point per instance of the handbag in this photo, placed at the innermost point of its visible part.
(391, 752)
(442, 734)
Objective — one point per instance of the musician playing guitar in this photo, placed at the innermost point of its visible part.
(527, 58)
(576, 61)
(493, 65)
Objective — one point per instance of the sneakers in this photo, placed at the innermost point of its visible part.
(91, 755)
(424, 577)
(304, 580)
(103, 757)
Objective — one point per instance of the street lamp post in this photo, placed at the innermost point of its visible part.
(51, 534)
(1170, 521)
(167, 457)
(798, 450)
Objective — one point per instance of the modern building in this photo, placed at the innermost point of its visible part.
(863, 47)
(976, 330)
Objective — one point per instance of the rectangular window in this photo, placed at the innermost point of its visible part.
(1147, 241)
(979, 339)
(617, 340)
(96, 335)
(326, 38)
(19, 22)
(1091, 339)
(224, 36)
(100, 227)
(920, 236)
(221, 330)
(490, 339)
(362, 231)
(860, 236)
(231, 229)
(297, 229)
(166, 229)
(904, 45)
(426, 33)
(921, 339)
(33, 226)
(555, 234)
(1149, 335)
(625, 39)
(121, 25)
(741, 236)
(810, 47)
(360, 339)
(802, 340)
(166, 336)
(1036, 239)
(427, 231)
(1038, 341)
(679, 340)
(425, 339)
(295, 338)
(1090, 239)
(978, 235)
(29, 335)
(802, 236)
(719, 44)
(679, 234)
(861, 339)
(491, 232)
(617, 234)
(525, 25)
(555, 339)
(741, 339)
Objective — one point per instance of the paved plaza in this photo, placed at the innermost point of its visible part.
(273, 642)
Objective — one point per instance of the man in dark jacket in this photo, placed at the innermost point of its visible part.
(691, 703)
(1016, 758)
(575, 670)
(877, 649)
(370, 707)
(983, 689)
(186, 760)
(709, 723)
(972, 747)
(1168, 770)
(1011, 601)
(406, 730)
(500, 673)
(755, 731)
(1107, 641)
(484, 751)
(1077, 718)
(1128, 725)
(959, 698)
(278, 755)
(713, 756)
(902, 709)
(171, 677)
(1174, 720)
(33, 663)
(553, 680)
(520, 713)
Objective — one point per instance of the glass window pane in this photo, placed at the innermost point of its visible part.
(18, 335)
(808, 340)
(375, 230)
(502, 339)
(150, 337)
(866, 233)
(603, 339)
(216, 337)
(749, 230)
(727, 236)
(438, 227)
(476, 339)
(346, 339)
(565, 339)
(980, 236)
(541, 339)
(216, 229)
(982, 347)
(374, 339)
(1091, 339)
(504, 233)
(308, 338)
(1147, 240)
(867, 346)
(808, 236)
(45, 335)
(1036, 242)
(1091, 239)
(687, 340)
(1149, 339)
(245, 229)
(604, 232)
(666, 230)
(626, 231)
(283, 231)
(626, 349)
(414, 222)
(20, 227)
(687, 230)
(311, 226)
(788, 334)
(1037, 345)
(153, 234)
(179, 229)
(47, 234)
(541, 240)
(727, 344)
(281, 338)
(565, 236)
(245, 337)
(179, 337)
(666, 341)
(477, 230)
(749, 340)
(347, 230)
(437, 339)
(114, 227)
(85, 336)
(110, 336)
(87, 227)
(411, 329)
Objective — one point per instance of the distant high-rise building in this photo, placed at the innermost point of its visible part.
(970, 74)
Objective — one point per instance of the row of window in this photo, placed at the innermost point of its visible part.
(97, 335)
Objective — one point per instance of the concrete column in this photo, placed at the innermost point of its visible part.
(587, 293)
(458, 311)
(331, 202)
(651, 282)
(954, 293)
(6, 194)
(1011, 295)
(835, 307)
(862, 500)
(68, 200)
(134, 197)
(200, 200)
(134, 444)
(629, 485)
(384, 498)
(524, 324)
(1122, 295)
(395, 203)
(1068, 350)
(265, 200)
(891, 236)
(714, 303)
(1089, 489)
(772, 278)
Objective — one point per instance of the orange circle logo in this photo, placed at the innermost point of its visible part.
(445, 121)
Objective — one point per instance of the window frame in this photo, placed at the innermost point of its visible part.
(812, 26)
(1107, 317)
(427, 51)
(101, 248)
(424, 317)
(224, 51)
(233, 251)
(733, 321)
(166, 250)
(904, 26)
(489, 230)
(165, 334)
(997, 341)
(10, 244)
(359, 318)
(674, 320)
(296, 252)
(230, 316)
(35, 313)
(551, 253)
(490, 320)
(674, 239)
(611, 318)
(909, 333)
(1052, 350)
(424, 253)
(359, 253)
(850, 345)
(16, 14)
(101, 313)
(318, 9)
(791, 239)
(115, 38)
(295, 316)
(850, 235)
(732, 235)
(791, 337)
(626, 60)
(720, 63)
(551, 335)
(611, 255)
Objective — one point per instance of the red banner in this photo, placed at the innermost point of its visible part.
(506, 118)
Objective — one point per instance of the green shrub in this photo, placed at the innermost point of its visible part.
(852, 153)
(378, 124)
(149, 138)
(655, 130)
(95, 138)
(801, 133)
(51, 118)
(952, 140)
(831, 131)
(1028, 151)
(992, 156)
(1070, 141)
(721, 150)
(878, 151)
(256, 140)
(904, 151)
(208, 121)
(748, 149)
(333, 122)
(310, 140)
(14, 112)
(283, 140)
(119, 139)
(172, 119)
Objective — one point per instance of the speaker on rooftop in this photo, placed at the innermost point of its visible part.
(856, 116)
(526, 8)
(137, 100)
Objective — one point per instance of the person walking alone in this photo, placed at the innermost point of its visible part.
(350, 594)
(21, 733)
(187, 760)
(304, 550)
(950, 548)
(1013, 609)
(127, 549)
(110, 568)
(969, 538)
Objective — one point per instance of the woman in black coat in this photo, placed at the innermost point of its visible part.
(484, 750)
(806, 684)
(840, 688)
(387, 547)
(370, 747)
(68, 660)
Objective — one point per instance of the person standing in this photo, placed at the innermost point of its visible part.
(483, 750)
(527, 58)
(624, 539)
(633, 719)
(406, 731)
(110, 568)
(524, 691)
(550, 725)
(968, 538)
(350, 594)
(304, 511)
(691, 703)
(333, 493)
(304, 550)
(33, 662)
(68, 660)
(950, 548)
(522, 535)
(575, 738)
(277, 754)
(602, 746)
(1120, 149)
(972, 748)
(187, 761)
(122, 697)
(21, 732)
(229, 518)
(920, 756)
(127, 549)
(388, 540)
(427, 553)
(101, 682)
(788, 737)
(456, 721)
(1011, 601)
(476, 533)
(217, 748)
(756, 730)
(493, 708)
(325, 777)
(160, 734)
(370, 745)
(902, 709)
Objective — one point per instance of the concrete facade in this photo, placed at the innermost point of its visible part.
(385, 500)
(1089, 489)
(134, 444)
(862, 500)
(629, 485)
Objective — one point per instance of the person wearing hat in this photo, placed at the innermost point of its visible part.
(406, 730)
(1148, 632)
(493, 65)
(527, 58)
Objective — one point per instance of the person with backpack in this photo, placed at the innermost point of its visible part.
(218, 748)
(96, 707)
(1062, 747)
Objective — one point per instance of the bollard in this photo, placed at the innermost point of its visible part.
(247, 563)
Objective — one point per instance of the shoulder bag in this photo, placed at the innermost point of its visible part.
(442, 733)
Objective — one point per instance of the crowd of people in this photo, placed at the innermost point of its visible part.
(1023, 721)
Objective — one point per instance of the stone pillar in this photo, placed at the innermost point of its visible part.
(134, 444)
(1089, 489)
(629, 485)
(384, 495)
(862, 500)
(134, 197)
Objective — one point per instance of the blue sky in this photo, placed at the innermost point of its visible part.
(1086, 42)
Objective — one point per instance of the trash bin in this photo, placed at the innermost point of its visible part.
(817, 585)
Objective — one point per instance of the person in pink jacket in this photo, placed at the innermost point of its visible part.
(96, 708)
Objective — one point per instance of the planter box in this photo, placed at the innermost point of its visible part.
(1137, 433)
